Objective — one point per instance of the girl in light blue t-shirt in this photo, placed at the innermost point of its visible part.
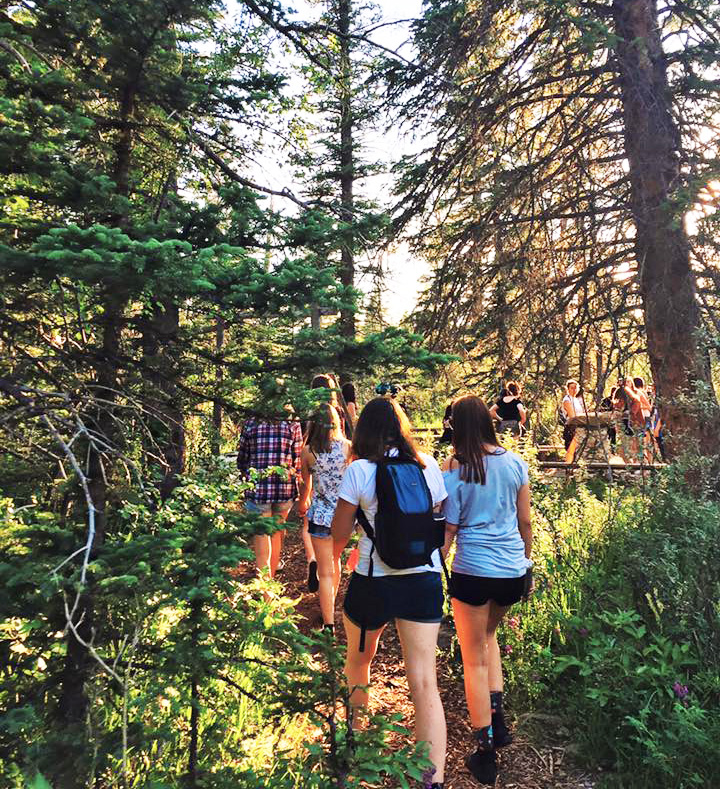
(488, 511)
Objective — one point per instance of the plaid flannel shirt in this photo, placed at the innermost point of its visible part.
(265, 444)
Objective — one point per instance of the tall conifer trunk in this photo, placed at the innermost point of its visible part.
(667, 282)
(347, 163)
(160, 332)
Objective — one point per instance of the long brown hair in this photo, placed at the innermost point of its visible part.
(473, 428)
(324, 425)
(383, 425)
(326, 381)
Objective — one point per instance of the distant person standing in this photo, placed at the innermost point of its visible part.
(640, 410)
(572, 405)
(347, 388)
(509, 410)
(447, 434)
(262, 445)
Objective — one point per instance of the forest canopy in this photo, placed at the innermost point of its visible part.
(195, 220)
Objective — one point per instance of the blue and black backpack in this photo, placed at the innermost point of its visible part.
(406, 530)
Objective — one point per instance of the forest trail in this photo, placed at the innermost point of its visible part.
(525, 764)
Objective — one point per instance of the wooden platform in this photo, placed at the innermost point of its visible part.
(596, 466)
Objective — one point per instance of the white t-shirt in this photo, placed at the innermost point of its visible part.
(577, 405)
(358, 487)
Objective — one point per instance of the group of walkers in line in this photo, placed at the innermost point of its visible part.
(369, 475)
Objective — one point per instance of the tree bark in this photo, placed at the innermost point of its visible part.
(160, 333)
(73, 702)
(347, 164)
(667, 282)
(217, 415)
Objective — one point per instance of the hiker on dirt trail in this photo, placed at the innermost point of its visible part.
(385, 454)
(488, 510)
(337, 402)
(509, 410)
(347, 388)
(324, 458)
(264, 444)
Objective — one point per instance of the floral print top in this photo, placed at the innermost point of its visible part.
(327, 475)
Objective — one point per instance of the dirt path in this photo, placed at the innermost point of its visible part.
(526, 764)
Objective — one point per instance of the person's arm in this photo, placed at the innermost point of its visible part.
(493, 412)
(296, 449)
(306, 465)
(525, 518)
(523, 413)
(450, 533)
(343, 523)
(243, 457)
(567, 407)
(352, 410)
(632, 394)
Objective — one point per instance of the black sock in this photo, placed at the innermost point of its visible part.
(484, 739)
(496, 702)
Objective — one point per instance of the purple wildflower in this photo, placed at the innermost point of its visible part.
(427, 778)
(513, 622)
(508, 649)
(584, 632)
(681, 691)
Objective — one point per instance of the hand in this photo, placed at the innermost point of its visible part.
(302, 509)
(529, 584)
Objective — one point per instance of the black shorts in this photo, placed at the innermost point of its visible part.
(474, 590)
(568, 435)
(373, 602)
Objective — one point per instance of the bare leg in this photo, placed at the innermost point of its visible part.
(307, 542)
(277, 539)
(357, 665)
(323, 551)
(495, 676)
(263, 549)
(419, 643)
(471, 624)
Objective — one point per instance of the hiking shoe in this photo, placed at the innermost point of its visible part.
(483, 765)
(312, 580)
(502, 736)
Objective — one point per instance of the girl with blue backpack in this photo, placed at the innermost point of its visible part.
(488, 511)
(393, 489)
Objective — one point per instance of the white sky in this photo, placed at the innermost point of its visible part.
(403, 270)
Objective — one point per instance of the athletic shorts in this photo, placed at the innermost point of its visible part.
(373, 602)
(318, 531)
(475, 590)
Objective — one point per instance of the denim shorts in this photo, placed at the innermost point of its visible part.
(318, 531)
(274, 509)
(373, 602)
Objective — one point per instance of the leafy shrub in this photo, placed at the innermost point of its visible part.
(622, 636)
(197, 680)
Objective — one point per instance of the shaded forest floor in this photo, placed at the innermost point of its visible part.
(531, 762)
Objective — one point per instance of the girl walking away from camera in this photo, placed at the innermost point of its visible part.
(378, 592)
(488, 510)
(324, 458)
(509, 410)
